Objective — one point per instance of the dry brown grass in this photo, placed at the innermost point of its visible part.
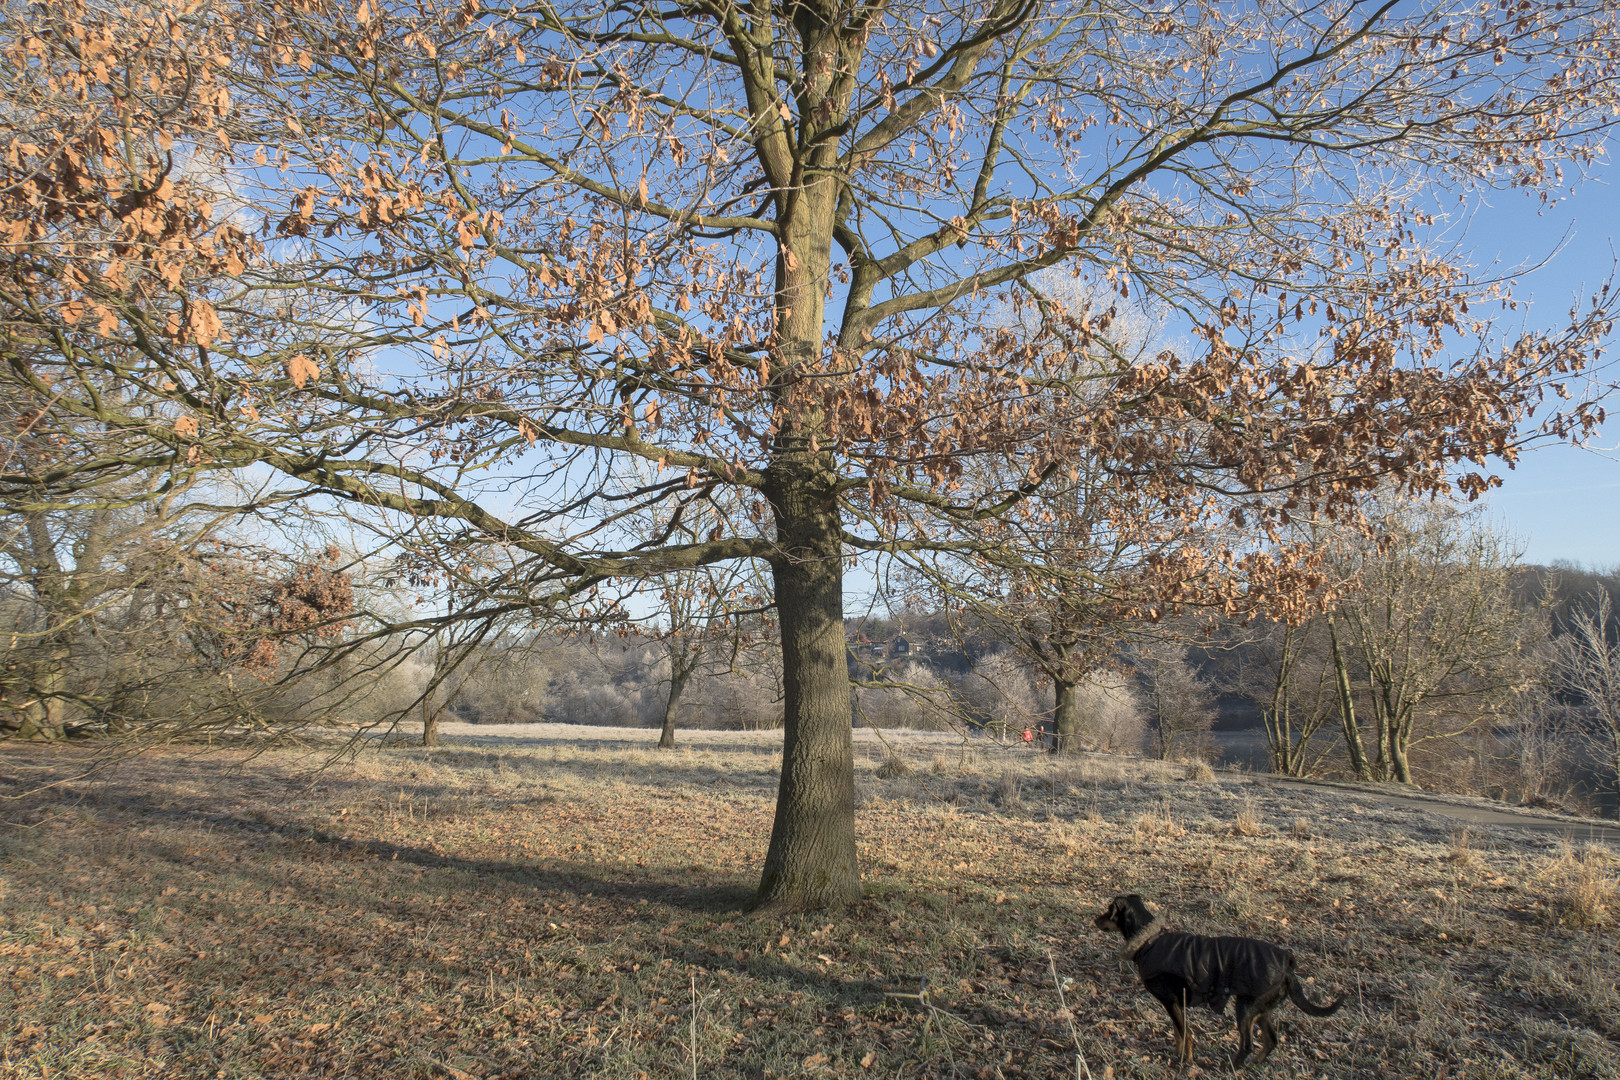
(1199, 771)
(1247, 821)
(1463, 852)
(893, 767)
(1160, 821)
(1583, 889)
(545, 908)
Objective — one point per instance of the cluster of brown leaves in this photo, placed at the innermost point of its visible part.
(97, 219)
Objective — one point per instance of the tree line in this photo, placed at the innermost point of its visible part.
(1444, 661)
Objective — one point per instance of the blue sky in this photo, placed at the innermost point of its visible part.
(1563, 502)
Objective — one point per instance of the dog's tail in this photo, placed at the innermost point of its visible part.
(1296, 994)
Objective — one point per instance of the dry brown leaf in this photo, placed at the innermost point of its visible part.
(301, 370)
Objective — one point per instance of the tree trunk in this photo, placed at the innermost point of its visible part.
(678, 676)
(811, 859)
(1164, 737)
(45, 717)
(1065, 719)
(1277, 716)
(443, 666)
(1347, 710)
(430, 723)
(1400, 736)
(1279, 733)
(37, 724)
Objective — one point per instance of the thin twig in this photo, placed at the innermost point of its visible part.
(1081, 1069)
(694, 1025)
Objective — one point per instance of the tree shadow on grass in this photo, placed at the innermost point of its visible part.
(702, 944)
(551, 874)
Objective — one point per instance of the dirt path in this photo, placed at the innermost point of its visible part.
(1574, 828)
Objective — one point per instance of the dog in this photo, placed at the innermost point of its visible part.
(1190, 969)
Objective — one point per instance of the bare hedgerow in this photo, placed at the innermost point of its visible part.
(912, 695)
(1588, 672)
(1112, 719)
(1001, 691)
(1179, 703)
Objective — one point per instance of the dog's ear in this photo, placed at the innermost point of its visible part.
(1139, 911)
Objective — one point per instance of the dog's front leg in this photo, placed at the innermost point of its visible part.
(1184, 1035)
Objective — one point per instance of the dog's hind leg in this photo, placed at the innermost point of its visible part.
(1246, 1014)
(1268, 1034)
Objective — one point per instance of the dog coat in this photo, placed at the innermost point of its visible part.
(1213, 968)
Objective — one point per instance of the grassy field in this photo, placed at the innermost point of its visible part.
(557, 901)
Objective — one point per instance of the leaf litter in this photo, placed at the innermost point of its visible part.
(577, 906)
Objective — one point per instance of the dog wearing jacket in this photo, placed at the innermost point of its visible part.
(1190, 969)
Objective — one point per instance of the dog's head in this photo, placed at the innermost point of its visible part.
(1125, 915)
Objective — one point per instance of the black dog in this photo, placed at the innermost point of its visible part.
(1190, 969)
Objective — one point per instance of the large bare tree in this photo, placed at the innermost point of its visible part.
(510, 249)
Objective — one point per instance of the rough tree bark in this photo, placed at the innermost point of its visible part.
(811, 859)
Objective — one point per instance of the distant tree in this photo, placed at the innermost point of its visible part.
(135, 612)
(1180, 703)
(705, 618)
(1588, 673)
(1293, 683)
(89, 601)
(702, 630)
(457, 651)
(1431, 632)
